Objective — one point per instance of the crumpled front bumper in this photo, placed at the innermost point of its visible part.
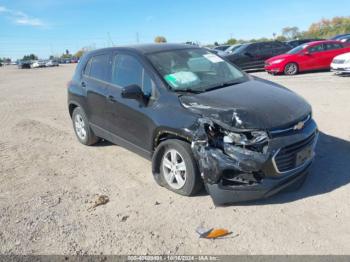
(268, 187)
(272, 180)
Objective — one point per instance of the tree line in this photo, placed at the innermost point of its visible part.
(323, 29)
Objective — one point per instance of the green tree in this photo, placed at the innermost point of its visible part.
(30, 57)
(231, 41)
(291, 32)
(329, 27)
(160, 39)
(79, 54)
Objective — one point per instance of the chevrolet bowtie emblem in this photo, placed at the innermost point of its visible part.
(299, 126)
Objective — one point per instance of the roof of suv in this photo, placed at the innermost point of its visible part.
(147, 48)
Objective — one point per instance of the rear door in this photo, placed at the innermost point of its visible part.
(128, 119)
(331, 51)
(251, 57)
(95, 77)
(267, 50)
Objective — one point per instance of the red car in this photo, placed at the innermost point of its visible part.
(310, 56)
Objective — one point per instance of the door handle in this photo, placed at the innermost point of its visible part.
(111, 99)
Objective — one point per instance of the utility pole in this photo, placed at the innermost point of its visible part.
(137, 37)
(110, 39)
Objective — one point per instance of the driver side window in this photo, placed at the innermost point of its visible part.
(127, 70)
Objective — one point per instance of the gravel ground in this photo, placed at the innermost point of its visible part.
(48, 181)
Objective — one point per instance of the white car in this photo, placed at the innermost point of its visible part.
(52, 63)
(38, 63)
(341, 64)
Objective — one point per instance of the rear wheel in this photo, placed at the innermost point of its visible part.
(291, 69)
(82, 129)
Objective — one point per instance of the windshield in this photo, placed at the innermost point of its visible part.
(297, 49)
(195, 70)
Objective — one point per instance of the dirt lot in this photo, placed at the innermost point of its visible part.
(48, 180)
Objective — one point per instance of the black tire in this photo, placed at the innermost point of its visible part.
(291, 69)
(193, 182)
(89, 138)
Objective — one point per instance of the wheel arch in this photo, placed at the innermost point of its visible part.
(73, 105)
(158, 150)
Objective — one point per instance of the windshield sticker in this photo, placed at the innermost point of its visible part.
(182, 79)
(213, 58)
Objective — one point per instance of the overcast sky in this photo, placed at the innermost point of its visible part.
(46, 27)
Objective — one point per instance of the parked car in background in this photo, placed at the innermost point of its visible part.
(252, 56)
(38, 63)
(341, 64)
(24, 64)
(232, 48)
(295, 43)
(221, 47)
(197, 117)
(51, 63)
(311, 56)
(345, 39)
(337, 37)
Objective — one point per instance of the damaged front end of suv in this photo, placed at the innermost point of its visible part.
(240, 164)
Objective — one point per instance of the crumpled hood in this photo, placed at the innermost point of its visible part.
(254, 104)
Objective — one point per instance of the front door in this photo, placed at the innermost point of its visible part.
(129, 119)
(314, 58)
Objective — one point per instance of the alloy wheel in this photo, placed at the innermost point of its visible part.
(174, 169)
(80, 127)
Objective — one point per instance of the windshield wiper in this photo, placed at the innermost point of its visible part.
(187, 90)
(224, 84)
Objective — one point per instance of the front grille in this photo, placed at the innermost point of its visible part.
(285, 159)
(338, 61)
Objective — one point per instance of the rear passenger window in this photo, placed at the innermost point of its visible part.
(100, 67)
(332, 46)
(127, 70)
(253, 49)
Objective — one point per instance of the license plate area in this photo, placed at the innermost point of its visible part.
(304, 156)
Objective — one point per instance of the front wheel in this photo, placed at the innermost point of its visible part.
(178, 168)
(291, 69)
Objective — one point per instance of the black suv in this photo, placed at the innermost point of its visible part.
(252, 56)
(197, 117)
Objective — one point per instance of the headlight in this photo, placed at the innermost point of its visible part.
(277, 61)
(246, 139)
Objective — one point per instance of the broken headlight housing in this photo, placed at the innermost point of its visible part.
(248, 140)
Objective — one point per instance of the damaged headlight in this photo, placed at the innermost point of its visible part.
(219, 137)
(254, 137)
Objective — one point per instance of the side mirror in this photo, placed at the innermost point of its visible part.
(306, 52)
(132, 92)
(248, 54)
